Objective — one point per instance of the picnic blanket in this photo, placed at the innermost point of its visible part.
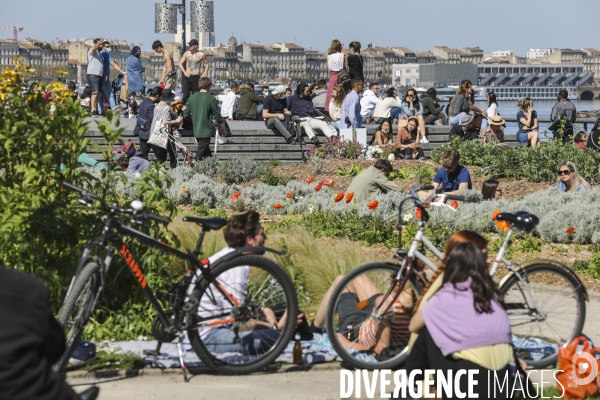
(318, 350)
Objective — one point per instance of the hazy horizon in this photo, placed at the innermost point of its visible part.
(491, 25)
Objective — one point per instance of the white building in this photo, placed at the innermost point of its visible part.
(502, 53)
(405, 74)
(205, 39)
(539, 53)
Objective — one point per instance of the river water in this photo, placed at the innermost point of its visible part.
(509, 109)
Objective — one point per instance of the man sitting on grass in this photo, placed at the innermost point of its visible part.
(452, 177)
(373, 181)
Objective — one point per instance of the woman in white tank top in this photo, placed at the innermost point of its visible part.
(336, 61)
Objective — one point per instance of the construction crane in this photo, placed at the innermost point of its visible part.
(15, 29)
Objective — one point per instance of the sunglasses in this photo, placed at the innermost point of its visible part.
(410, 95)
(564, 172)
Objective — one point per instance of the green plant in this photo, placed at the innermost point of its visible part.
(530, 244)
(275, 162)
(319, 164)
(353, 170)
(402, 173)
(242, 169)
(276, 180)
(425, 175)
(109, 361)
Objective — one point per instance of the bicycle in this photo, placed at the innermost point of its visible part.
(526, 299)
(230, 294)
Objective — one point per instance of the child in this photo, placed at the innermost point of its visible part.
(85, 98)
(580, 139)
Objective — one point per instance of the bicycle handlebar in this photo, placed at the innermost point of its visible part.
(158, 218)
(455, 197)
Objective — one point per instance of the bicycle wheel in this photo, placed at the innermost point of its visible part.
(77, 309)
(550, 306)
(351, 324)
(224, 336)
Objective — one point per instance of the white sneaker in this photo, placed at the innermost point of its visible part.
(424, 140)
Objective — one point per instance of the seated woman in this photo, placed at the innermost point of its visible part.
(528, 123)
(569, 179)
(408, 144)
(580, 139)
(388, 106)
(412, 107)
(491, 190)
(367, 334)
(335, 106)
(85, 98)
(464, 325)
(384, 137)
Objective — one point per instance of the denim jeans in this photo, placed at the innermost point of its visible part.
(455, 121)
(106, 92)
(259, 109)
(395, 113)
(221, 340)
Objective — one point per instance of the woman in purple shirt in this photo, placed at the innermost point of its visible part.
(464, 324)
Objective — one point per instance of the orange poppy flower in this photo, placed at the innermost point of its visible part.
(319, 186)
(290, 196)
(570, 231)
(503, 226)
(418, 213)
(454, 204)
(328, 182)
(495, 214)
(349, 197)
(373, 205)
(185, 190)
(339, 197)
(310, 180)
(277, 206)
(236, 195)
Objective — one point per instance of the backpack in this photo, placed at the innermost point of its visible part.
(343, 77)
(571, 360)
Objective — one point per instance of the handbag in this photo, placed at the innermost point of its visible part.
(160, 135)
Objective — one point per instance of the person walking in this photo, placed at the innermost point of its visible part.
(135, 81)
(95, 71)
(336, 61)
(162, 112)
(191, 72)
(202, 108)
(168, 78)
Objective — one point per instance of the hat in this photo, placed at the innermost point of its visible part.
(497, 120)
(193, 42)
(466, 119)
(167, 95)
(279, 89)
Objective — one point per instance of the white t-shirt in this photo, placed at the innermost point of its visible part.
(335, 62)
(229, 105)
(384, 106)
(234, 281)
(95, 63)
(492, 110)
(335, 110)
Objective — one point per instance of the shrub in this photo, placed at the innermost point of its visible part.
(538, 164)
(208, 166)
(319, 164)
(242, 169)
(336, 147)
(276, 180)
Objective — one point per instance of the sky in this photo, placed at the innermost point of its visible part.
(515, 25)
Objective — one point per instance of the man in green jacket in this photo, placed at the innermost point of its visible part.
(372, 181)
(248, 103)
(203, 108)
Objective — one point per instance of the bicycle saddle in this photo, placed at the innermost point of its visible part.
(211, 224)
(521, 220)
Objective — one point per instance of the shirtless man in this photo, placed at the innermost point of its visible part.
(191, 74)
(169, 75)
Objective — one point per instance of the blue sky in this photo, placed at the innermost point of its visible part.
(418, 24)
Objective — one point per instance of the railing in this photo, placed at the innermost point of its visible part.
(584, 121)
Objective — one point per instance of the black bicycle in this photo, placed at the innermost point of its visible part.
(220, 306)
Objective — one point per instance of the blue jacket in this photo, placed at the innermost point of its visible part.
(351, 109)
(411, 113)
(300, 106)
(135, 68)
(146, 111)
(118, 82)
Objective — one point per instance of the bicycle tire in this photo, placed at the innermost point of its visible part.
(573, 320)
(77, 310)
(397, 351)
(261, 272)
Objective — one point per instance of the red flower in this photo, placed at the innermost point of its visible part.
(454, 204)
(570, 231)
(319, 186)
(328, 182)
(418, 213)
(277, 206)
(373, 205)
(349, 197)
(236, 195)
(185, 190)
(339, 197)
(310, 180)
(290, 196)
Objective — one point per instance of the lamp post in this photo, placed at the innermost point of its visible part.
(165, 19)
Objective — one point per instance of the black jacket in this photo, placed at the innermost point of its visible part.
(468, 135)
(429, 107)
(31, 340)
(355, 66)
